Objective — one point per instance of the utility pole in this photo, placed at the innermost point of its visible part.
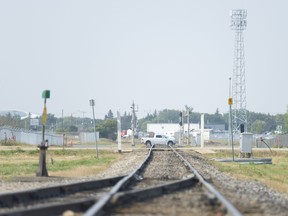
(202, 130)
(119, 131)
(92, 104)
(230, 130)
(133, 123)
(29, 119)
(62, 120)
(188, 112)
(230, 103)
(188, 127)
(83, 113)
(180, 127)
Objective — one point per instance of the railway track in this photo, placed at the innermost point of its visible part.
(168, 185)
(164, 184)
(56, 199)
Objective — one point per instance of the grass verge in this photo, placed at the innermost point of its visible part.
(273, 175)
(70, 163)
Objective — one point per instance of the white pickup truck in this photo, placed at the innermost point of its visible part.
(158, 139)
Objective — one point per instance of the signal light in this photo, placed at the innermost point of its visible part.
(241, 128)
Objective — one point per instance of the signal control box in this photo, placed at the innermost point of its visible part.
(246, 143)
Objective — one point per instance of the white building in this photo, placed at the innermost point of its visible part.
(162, 128)
(174, 128)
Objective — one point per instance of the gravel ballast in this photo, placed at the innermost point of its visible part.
(251, 197)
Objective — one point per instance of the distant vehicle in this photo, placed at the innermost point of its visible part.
(123, 133)
(158, 139)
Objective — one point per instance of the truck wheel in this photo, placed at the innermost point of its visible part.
(170, 143)
(148, 144)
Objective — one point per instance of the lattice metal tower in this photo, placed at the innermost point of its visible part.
(239, 113)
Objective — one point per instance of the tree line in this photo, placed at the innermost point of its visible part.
(257, 122)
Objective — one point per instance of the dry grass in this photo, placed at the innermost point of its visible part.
(79, 171)
(66, 163)
(273, 175)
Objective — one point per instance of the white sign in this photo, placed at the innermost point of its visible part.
(34, 122)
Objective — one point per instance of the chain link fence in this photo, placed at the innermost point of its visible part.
(260, 140)
(77, 138)
(12, 135)
(274, 141)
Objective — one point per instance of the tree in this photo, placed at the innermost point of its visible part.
(109, 115)
(216, 118)
(285, 129)
(108, 129)
(270, 122)
(143, 125)
(51, 121)
(9, 120)
(279, 118)
(72, 128)
(168, 116)
(258, 127)
(126, 121)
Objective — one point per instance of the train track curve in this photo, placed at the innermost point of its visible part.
(165, 183)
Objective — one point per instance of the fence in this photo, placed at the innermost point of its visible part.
(8, 134)
(27, 136)
(276, 141)
(88, 137)
(260, 141)
(71, 139)
(35, 138)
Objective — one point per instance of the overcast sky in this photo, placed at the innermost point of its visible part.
(163, 54)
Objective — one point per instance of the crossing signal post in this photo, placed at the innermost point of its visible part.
(188, 113)
(181, 126)
(230, 102)
(119, 131)
(133, 123)
(92, 104)
(180, 118)
(42, 170)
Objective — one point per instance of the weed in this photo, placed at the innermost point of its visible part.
(273, 175)
(21, 162)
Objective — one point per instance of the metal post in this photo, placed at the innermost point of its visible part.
(188, 112)
(229, 122)
(230, 102)
(62, 120)
(202, 130)
(42, 170)
(43, 125)
(92, 103)
(231, 131)
(119, 131)
(182, 127)
(133, 123)
(179, 138)
(188, 127)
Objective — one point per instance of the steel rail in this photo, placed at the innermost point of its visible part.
(97, 208)
(230, 208)
(52, 209)
(155, 191)
(24, 197)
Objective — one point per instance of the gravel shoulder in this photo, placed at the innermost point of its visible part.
(248, 196)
